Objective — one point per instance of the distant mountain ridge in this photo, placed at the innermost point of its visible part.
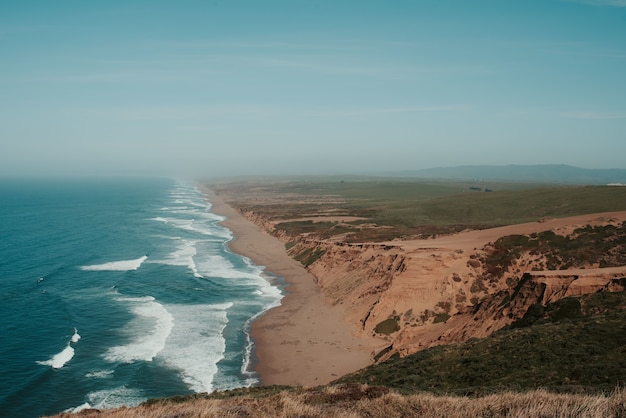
(548, 173)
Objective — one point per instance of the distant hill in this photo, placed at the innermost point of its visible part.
(556, 173)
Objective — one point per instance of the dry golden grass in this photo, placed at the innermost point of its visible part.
(352, 401)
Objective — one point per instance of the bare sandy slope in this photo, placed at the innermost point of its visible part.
(305, 341)
(471, 240)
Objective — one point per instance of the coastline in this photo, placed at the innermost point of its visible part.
(304, 341)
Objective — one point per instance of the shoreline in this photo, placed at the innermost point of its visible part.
(304, 341)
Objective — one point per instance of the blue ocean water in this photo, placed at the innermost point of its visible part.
(116, 291)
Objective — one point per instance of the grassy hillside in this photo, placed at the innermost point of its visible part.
(546, 173)
(575, 345)
(354, 401)
(403, 208)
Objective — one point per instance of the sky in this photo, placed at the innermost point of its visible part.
(235, 87)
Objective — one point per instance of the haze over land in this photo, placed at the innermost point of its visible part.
(205, 88)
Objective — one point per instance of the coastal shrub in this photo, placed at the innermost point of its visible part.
(304, 227)
(532, 315)
(441, 317)
(388, 326)
(309, 256)
(382, 353)
(568, 308)
(478, 285)
(604, 246)
(444, 305)
(579, 353)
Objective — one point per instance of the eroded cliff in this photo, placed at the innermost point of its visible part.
(415, 294)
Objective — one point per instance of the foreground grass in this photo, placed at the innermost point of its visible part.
(351, 401)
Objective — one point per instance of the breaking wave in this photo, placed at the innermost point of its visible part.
(150, 327)
(122, 265)
(60, 359)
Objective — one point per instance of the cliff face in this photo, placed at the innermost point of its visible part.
(436, 296)
(418, 294)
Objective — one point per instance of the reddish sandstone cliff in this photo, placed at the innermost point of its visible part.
(420, 293)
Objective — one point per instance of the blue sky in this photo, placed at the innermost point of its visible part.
(233, 87)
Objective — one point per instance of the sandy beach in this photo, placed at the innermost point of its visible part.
(305, 340)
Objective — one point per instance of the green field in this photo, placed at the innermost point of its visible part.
(408, 208)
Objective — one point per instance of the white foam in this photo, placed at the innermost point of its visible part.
(211, 230)
(182, 256)
(99, 374)
(150, 327)
(76, 337)
(79, 408)
(271, 291)
(116, 397)
(60, 359)
(218, 266)
(197, 343)
(246, 369)
(122, 265)
(202, 205)
(195, 213)
(215, 265)
(192, 221)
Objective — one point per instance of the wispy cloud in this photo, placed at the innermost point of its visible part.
(611, 3)
(264, 45)
(595, 115)
(407, 109)
(328, 68)
(114, 75)
(391, 71)
(221, 112)
(225, 113)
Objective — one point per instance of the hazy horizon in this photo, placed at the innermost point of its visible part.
(213, 88)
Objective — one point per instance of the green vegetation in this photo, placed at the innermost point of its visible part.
(576, 344)
(320, 229)
(388, 326)
(308, 256)
(406, 208)
(602, 245)
(441, 317)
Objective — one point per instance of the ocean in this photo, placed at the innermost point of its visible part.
(116, 291)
